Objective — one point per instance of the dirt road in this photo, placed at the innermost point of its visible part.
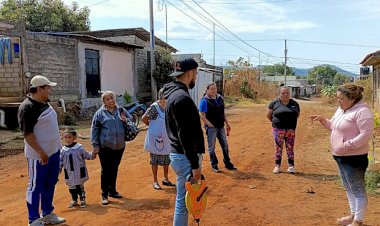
(313, 196)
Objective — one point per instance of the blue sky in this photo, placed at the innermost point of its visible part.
(338, 32)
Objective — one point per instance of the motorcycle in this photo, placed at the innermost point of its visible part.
(136, 110)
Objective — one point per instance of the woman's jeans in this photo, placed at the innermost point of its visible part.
(212, 134)
(352, 171)
(182, 168)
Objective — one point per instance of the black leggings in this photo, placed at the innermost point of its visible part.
(77, 190)
(110, 161)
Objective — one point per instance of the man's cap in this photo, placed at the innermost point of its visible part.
(40, 80)
(182, 66)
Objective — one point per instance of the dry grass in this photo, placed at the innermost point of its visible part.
(260, 90)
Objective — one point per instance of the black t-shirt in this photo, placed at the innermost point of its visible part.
(28, 114)
(284, 116)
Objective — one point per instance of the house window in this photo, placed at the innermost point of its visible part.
(92, 73)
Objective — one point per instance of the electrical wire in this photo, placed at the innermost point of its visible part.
(233, 34)
(241, 3)
(250, 53)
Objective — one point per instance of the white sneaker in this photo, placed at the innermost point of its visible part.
(291, 170)
(276, 170)
(52, 219)
(37, 222)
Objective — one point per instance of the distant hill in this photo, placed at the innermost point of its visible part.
(304, 71)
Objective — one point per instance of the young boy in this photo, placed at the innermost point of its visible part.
(73, 161)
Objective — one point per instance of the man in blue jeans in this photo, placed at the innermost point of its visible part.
(39, 125)
(184, 131)
(213, 116)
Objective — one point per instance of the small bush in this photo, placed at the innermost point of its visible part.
(329, 91)
(245, 82)
(127, 97)
(372, 179)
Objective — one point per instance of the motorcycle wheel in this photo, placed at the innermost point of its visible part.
(135, 119)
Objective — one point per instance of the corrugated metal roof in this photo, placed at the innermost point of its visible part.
(367, 59)
(139, 32)
(88, 38)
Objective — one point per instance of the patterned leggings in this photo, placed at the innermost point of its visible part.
(281, 135)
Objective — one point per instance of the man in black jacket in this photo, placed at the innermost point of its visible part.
(184, 131)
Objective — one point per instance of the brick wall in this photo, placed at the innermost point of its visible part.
(10, 74)
(57, 59)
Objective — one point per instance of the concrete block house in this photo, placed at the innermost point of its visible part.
(138, 37)
(81, 64)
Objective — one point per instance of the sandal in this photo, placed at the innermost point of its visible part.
(168, 183)
(345, 220)
(156, 186)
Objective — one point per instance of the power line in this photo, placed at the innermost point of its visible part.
(247, 40)
(326, 61)
(204, 18)
(233, 34)
(241, 3)
(210, 29)
(98, 3)
(335, 44)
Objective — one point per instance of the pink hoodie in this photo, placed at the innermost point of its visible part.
(351, 130)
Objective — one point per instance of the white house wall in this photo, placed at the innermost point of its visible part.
(203, 79)
(116, 72)
(115, 67)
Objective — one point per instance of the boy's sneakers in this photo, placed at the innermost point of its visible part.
(83, 203)
(276, 169)
(52, 219)
(73, 204)
(37, 222)
(291, 170)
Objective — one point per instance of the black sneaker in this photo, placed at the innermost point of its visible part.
(115, 195)
(215, 169)
(231, 167)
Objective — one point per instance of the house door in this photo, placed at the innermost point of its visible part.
(92, 73)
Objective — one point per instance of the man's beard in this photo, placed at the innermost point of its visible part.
(192, 84)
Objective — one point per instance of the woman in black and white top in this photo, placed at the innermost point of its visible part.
(283, 112)
(157, 142)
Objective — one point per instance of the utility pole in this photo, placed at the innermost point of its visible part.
(213, 73)
(153, 82)
(166, 22)
(286, 58)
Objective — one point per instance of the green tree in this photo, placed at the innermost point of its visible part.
(46, 15)
(322, 74)
(164, 65)
(277, 69)
(339, 79)
(233, 66)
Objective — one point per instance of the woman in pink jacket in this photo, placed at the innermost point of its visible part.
(351, 129)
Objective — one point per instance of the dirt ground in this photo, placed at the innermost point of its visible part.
(313, 196)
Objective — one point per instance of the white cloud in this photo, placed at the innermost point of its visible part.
(363, 10)
(253, 18)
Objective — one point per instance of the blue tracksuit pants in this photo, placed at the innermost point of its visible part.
(41, 185)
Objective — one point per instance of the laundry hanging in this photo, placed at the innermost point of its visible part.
(5, 43)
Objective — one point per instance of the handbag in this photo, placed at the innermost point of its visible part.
(130, 131)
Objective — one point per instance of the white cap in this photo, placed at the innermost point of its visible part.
(40, 80)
